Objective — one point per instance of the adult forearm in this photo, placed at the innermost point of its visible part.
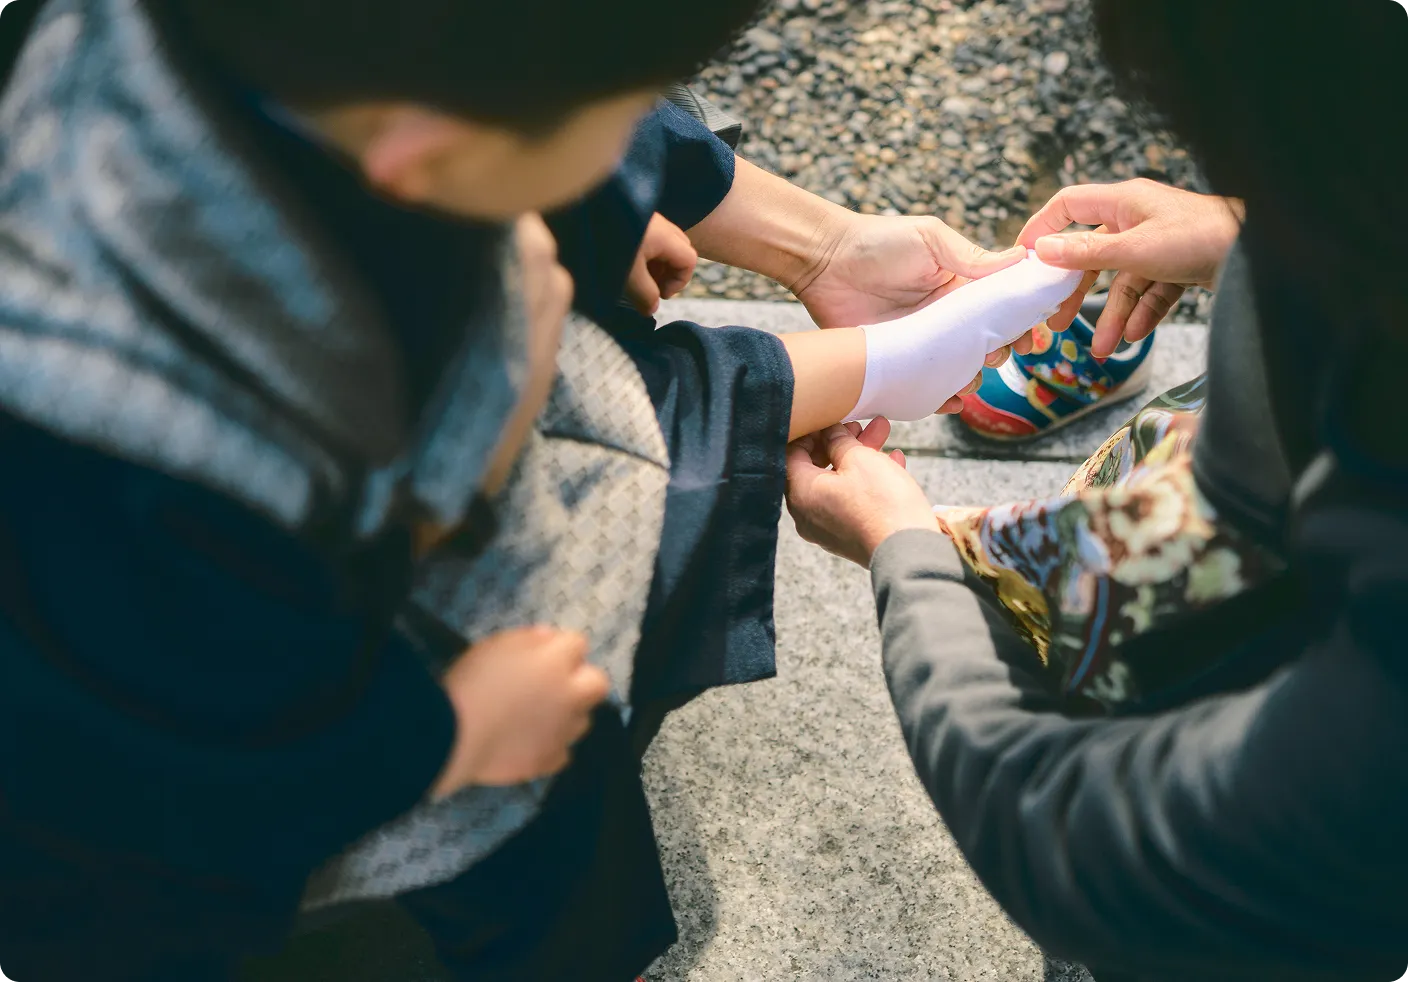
(1176, 846)
(772, 227)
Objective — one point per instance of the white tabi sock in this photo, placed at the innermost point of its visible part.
(917, 363)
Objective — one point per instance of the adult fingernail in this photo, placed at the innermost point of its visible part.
(1051, 248)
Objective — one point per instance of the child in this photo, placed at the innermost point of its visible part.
(241, 391)
(269, 345)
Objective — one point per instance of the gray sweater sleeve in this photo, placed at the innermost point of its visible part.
(1258, 835)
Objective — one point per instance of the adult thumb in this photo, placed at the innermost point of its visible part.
(967, 259)
(839, 444)
(1084, 250)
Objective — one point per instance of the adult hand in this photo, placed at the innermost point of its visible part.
(865, 497)
(663, 266)
(848, 269)
(877, 268)
(1162, 240)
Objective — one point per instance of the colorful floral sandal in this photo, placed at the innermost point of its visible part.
(1058, 383)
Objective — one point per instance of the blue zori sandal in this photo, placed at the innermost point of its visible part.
(1057, 383)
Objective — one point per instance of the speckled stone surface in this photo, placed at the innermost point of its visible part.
(1179, 355)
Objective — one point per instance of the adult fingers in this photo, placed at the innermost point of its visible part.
(1156, 304)
(898, 457)
(815, 448)
(805, 464)
(953, 252)
(1096, 250)
(1023, 345)
(951, 408)
(1064, 317)
(839, 444)
(1126, 292)
(1083, 204)
(875, 435)
(641, 288)
(802, 454)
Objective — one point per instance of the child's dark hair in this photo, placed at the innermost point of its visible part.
(523, 64)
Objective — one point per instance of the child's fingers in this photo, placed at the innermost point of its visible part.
(671, 279)
(555, 762)
(898, 457)
(854, 428)
(589, 685)
(641, 288)
(568, 649)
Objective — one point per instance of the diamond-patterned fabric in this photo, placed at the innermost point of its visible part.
(579, 529)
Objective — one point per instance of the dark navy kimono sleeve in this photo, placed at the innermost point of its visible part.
(724, 400)
(674, 166)
(723, 397)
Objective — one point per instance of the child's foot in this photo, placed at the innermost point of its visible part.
(1058, 383)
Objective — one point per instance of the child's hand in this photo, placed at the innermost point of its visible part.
(522, 698)
(663, 266)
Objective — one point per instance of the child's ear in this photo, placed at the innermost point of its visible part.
(409, 148)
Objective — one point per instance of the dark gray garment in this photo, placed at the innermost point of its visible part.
(1238, 458)
(1251, 835)
(1245, 837)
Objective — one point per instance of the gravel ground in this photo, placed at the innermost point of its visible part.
(973, 111)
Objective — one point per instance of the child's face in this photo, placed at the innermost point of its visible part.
(481, 171)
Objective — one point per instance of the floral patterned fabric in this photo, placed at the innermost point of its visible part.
(1128, 547)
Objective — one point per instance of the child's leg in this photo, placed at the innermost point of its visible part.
(908, 368)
